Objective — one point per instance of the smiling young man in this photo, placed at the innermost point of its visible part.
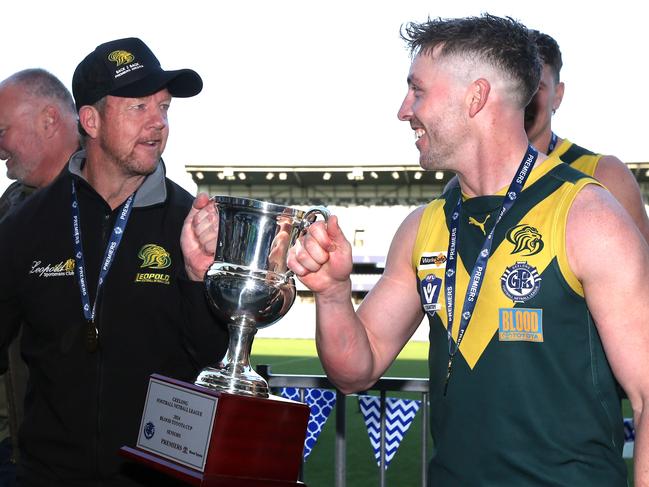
(95, 271)
(607, 169)
(528, 329)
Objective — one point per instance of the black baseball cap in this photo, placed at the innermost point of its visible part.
(128, 68)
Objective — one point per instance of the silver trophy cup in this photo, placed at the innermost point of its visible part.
(249, 283)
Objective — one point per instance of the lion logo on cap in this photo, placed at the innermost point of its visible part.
(121, 57)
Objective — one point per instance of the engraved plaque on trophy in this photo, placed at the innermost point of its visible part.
(226, 429)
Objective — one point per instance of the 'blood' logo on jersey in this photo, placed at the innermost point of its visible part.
(520, 325)
(520, 282)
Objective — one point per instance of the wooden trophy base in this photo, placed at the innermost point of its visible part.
(210, 438)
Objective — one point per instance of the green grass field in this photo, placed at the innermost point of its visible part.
(299, 357)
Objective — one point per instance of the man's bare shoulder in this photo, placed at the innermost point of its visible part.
(610, 168)
(598, 202)
(403, 241)
(620, 181)
(414, 217)
(409, 226)
(596, 224)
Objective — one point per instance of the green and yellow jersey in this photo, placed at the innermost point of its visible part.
(531, 400)
(578, 157)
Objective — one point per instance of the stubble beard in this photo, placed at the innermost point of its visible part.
(133, 166)
(19, 172)
(437, 155)
(444, 137)
(13, 173)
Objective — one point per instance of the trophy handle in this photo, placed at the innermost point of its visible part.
(311, 215)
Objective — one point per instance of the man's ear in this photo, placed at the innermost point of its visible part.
(89, 120)
(477, 96)
(50, 119)
(558, 96)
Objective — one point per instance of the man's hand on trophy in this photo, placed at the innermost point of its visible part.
(322, 257)
(198, 237)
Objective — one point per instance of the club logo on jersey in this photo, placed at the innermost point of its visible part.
(525, 238)
(63, 268)
(480, 225)
(429, 287)
(153, 257)
(520, 325)
(520, 282)
(432, 260)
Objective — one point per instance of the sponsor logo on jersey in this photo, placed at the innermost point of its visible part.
(480, 225)
(432, 260)
(430, 287)
(520, 325)
(62, 269)
(154, 257)
(526, 239)
(520, 282)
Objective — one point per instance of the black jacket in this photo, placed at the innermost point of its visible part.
(81, 407)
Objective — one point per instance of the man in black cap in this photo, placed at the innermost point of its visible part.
(96, 271)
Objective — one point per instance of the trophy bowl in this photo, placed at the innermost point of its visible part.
(249, 283)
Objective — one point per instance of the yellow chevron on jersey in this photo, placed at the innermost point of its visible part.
(547, 222)
(584, 162)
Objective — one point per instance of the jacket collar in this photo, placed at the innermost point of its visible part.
(152, 191)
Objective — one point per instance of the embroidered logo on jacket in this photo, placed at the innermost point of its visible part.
(63, 268)
(520, 282)
(525, 239)
(153, 257)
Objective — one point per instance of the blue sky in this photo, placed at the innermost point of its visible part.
(305, 82)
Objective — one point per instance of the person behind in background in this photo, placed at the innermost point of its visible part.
(38, 134)
(607, 169)
(529, 329)
(96, 273)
